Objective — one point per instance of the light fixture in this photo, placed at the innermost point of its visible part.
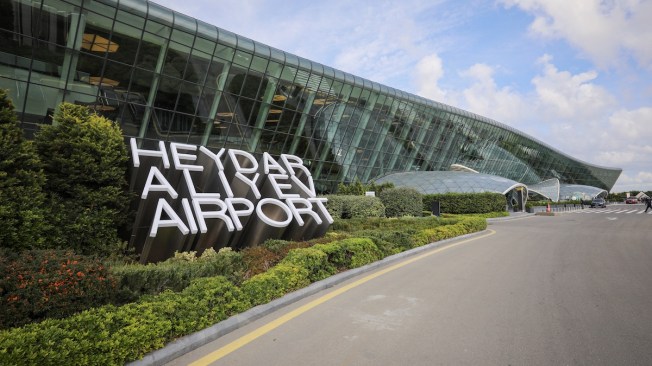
(95, 43)
(272, 121)
(225, 114)
(96, 80)
(275, 111)
(279, 98)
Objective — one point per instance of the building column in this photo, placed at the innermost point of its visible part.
(73, 45)
(153, 90)
(305, 114)
(221, 81)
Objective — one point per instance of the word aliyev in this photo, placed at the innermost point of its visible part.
(192, 199)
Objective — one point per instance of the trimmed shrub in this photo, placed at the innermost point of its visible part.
(85, 162)
(350, 253)
(466, 203)
(358, 189)
(282, 247)
(279, 280)
(365, 206)
(390, 242)
(338, 206)
(22, 201)
(315, 261)
(40, 284)
(115, 335)
(135, 280)
(258, 260)
(347, 207)
(401, 201)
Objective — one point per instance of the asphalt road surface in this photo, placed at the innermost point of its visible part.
(574, 289)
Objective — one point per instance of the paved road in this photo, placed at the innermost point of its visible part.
(564, 290)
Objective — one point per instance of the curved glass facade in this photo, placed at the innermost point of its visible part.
(165, 76)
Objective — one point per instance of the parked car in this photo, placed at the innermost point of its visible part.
(631, 200)
(598, 202)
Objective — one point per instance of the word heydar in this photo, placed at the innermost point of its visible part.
(192, 199)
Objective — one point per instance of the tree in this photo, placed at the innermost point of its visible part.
(85, 162)
(22, 215)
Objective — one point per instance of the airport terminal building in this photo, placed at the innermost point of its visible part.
(165, 76)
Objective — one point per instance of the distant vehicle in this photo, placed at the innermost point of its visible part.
(598, 202)
(631, 200)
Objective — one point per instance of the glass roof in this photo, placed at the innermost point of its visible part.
(432, 182)
(568, 191)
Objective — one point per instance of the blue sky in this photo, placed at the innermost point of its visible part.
(575, 74)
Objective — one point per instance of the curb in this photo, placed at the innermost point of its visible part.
(509, 218)
(195, 340)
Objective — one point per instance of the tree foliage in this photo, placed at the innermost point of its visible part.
(358, 189)
(85, 162)
(22, 199)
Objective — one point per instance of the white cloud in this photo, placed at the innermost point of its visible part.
(429, 70)
(485, 98)
(604, 31)
(561, 94)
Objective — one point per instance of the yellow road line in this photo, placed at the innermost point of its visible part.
(221, 352)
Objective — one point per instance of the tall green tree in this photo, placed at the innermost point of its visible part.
(85, 162)
(22, 215)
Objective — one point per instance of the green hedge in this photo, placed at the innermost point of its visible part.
(40, 284)
(135, 280)
(351, 253)
(466, 203)
(112, 335)
(348, 207)
(402, 201)
(276, 282)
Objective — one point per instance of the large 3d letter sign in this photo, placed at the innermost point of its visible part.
(192, 199)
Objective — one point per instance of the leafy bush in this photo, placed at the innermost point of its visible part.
(85, 162)
(390, 242)
(358, 252)
(279, 280)
(347, 207)
(112, 335)
(282, 247)
(258, 260)
(466, 203)
(388, 224)
(135, 280)
(22, 201)
(312, 259)
(39, 284)
(338, 206)
(401, 201)
(365, 206)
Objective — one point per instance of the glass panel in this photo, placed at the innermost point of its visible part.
(183, 38)
(149, 52)
(259, 64)
(224, 52)
(159, 14)
(242, 58)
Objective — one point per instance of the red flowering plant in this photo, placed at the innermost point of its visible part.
(39, 284)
